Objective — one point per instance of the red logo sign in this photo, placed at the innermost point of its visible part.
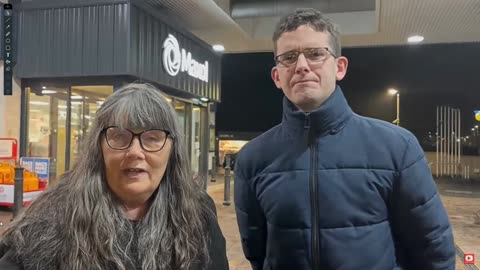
(469, 258)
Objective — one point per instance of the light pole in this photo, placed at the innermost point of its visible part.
(393, 92)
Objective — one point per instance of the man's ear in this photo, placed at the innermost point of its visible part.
(276, 77)
(342, 65)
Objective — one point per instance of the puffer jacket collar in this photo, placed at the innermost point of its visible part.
(329, 118)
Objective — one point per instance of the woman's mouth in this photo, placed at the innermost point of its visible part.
(134, 172)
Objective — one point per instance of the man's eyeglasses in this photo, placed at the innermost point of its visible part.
(151, 140)
(313, 55)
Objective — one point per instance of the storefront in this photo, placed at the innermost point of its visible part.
(72, 56)
(229, 143)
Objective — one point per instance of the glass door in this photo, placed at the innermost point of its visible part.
(195, 141)
(47, 118)
(179, 107)
(85, 101)
(49, 126)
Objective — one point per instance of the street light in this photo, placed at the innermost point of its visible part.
(394, 92)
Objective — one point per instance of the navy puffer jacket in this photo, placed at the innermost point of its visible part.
(335, 190)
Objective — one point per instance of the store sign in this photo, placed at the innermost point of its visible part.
(176, 59)
(7, 191)
(39, 165)
(6, 149)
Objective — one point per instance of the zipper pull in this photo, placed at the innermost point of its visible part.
(306, 124)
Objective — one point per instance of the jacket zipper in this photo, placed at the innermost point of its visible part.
(313, 195)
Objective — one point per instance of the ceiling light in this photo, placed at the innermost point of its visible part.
(77, 97)
(44, 87)
(46, 92)
(218, 47)
(204, 99)
(415, 39)
(41, 103)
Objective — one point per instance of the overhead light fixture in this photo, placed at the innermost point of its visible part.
(44, 87)
(392, 91)
(76, 102)
(415, 39)
(77, 97)
(46, 92)
(204, 99)
(41, 103)
(218, 47)
(195, 100)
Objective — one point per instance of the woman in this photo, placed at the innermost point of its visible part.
(128, 202)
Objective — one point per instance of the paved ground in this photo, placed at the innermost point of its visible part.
(228, 223)
(461, 201)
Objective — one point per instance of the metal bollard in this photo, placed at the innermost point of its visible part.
(18, 191)
(214, 170)
(227, 181)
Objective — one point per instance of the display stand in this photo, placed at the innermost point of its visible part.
(9, 155)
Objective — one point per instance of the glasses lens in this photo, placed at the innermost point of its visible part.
(118, 138)
(288, 58)
(153, 140)
(316, 54)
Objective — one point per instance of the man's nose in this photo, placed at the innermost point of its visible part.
(302, 64)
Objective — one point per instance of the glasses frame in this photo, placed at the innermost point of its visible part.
(298, 52)
(134, 135)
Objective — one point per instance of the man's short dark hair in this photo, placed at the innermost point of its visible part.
(312, 18)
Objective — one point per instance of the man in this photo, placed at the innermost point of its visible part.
(327, 188)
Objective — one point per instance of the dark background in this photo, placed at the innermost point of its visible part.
(426, 76)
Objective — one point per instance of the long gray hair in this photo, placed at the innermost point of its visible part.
(78, 223)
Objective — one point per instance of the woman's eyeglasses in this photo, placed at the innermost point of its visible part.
(151, 140)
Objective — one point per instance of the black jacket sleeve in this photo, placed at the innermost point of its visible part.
(419, 218)
(250, 218)
(6, 260)
(216, 241)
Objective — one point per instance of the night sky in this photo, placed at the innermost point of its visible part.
(425, 75)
